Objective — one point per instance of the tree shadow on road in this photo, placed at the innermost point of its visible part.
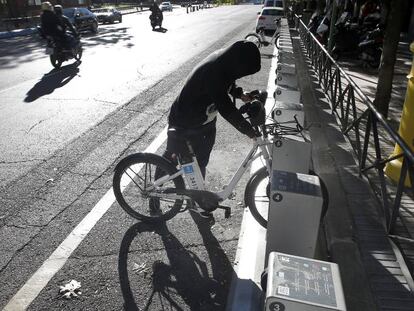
(107, 36)
(19, 50)
(52, 80)
(183, 280)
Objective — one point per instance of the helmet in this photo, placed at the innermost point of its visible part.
(46, 6)
(58, 9)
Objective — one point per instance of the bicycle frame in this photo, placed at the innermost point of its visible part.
(260, 143)
(261, 33)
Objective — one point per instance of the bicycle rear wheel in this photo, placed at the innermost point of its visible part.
(133, 175)
(255, 38)
(256, 195)
(277, 41)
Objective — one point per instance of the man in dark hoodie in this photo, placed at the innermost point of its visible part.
(206, 93)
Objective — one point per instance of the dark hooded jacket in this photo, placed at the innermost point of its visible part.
(206, 90)
(50, 24)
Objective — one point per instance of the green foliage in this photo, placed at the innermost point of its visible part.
(220, 2)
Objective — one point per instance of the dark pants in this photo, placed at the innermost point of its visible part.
(202, 141)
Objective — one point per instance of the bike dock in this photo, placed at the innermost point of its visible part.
(258, 245)
(373, 273)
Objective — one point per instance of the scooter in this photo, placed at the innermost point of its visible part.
(156, 20)
(58, 53)
(370, 48)
(322, 31)
(346, 37)
(314, 22)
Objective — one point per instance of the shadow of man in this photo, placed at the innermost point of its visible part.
(51, 81)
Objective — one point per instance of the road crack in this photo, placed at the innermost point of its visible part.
(36, 124)
(21, 161)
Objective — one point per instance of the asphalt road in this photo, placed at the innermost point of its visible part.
(43, 109)
(60, 141)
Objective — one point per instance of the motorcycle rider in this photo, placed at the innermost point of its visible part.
(69, 40)
(155, 13)
(53, 26)
(49, 21)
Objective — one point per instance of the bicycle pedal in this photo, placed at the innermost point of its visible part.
(227, 210)
(202, 213)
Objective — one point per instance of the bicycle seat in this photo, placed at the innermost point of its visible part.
(180, 133)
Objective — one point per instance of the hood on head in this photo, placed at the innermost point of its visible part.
(240, 59)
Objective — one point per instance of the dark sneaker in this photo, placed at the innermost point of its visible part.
(206, 214)
(154, 206)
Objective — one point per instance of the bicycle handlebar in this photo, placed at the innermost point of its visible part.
(255, 111)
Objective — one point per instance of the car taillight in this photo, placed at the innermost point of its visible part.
(262, 17)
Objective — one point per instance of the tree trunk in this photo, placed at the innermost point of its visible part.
(390, 45)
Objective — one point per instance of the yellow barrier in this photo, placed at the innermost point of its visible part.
(406, 129)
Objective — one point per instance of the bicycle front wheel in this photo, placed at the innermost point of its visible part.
(277, 41)
(256, 195)
(134, 175)
(255, 38)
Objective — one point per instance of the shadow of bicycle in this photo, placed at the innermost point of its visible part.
(178, 279)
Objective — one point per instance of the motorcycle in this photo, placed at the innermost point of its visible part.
(156, 20)
(322, 31)
(370, 48)
(58, 53)
(346, 37)
(314, 21)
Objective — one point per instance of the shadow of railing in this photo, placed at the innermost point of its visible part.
(371, 137)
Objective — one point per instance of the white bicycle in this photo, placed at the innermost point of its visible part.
(151, 200)
(259, 37)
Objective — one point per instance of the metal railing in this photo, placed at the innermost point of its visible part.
(369, 134)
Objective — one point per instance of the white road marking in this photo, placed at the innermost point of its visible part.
(31, 289)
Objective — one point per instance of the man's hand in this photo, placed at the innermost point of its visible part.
(246, 97)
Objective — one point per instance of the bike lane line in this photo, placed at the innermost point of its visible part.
(32, 288)
(249, 264)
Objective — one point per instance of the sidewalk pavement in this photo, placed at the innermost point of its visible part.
(374, 274)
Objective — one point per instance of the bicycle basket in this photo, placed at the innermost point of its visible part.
(257, 113)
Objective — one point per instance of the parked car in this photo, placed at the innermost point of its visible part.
(266, 18)
(82, 19)
(166, 6)
(274, 3)
(107, 15)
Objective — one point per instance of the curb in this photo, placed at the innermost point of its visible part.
(17, 33)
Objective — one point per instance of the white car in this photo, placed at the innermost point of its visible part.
(274, 3)
(266, 18)
(166, 6)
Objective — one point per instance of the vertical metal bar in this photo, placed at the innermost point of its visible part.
(366, 142)
(380, 171)
(348, 104)
(411, 175)
(398, 195)
(357, 134)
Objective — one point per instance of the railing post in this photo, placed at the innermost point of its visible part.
(406, 129)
